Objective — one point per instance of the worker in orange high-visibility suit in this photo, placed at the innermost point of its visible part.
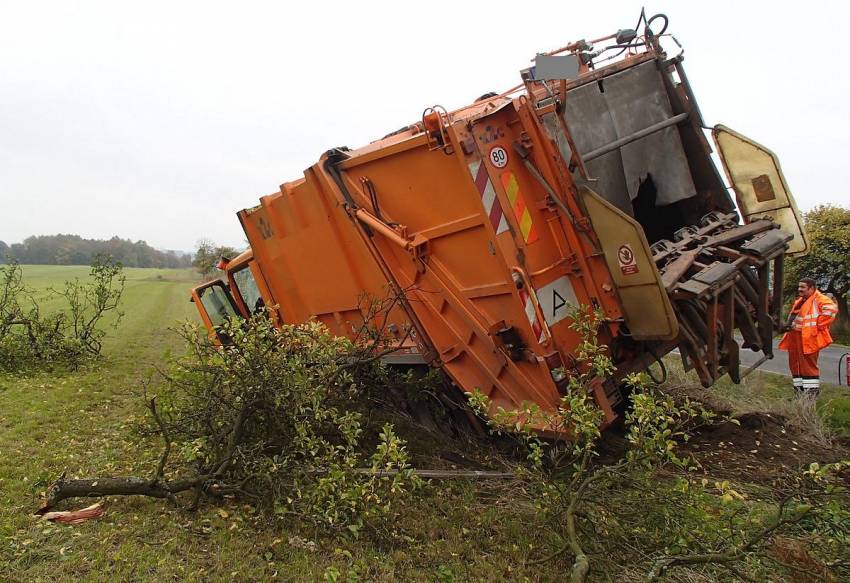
(808, 333)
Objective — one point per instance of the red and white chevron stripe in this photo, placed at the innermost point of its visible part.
(536, 326)
(492, 207)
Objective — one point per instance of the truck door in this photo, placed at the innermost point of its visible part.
(759, 185)
(216, 306)
(244, 287)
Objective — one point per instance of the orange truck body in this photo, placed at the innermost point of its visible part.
(484, 226)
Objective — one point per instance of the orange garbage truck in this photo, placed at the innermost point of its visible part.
(590, 183)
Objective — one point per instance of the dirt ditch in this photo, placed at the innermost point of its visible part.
(760, 448)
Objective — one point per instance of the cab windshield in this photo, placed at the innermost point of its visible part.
(217, 304)
(247, 289)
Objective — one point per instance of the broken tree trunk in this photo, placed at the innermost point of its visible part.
(63, 488)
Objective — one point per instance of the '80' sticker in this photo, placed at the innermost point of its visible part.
(498, 156)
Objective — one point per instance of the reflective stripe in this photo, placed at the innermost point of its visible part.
(521, 212)
(531, 314)
(492, 206)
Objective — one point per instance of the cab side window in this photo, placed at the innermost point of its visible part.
(248, 290)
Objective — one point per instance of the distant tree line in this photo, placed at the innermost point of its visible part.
(74, 250)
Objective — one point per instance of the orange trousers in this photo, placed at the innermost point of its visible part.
(805, 373)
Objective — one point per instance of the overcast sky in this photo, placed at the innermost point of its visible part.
(159, 120)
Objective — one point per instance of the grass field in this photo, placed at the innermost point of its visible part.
(770, 392)
(82, 423)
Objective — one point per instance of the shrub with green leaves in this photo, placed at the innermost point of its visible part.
(645, 496)
(65, 337)
(564, 473)
(271, 416)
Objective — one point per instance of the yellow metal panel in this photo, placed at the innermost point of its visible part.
(760, 187)
(646, 306)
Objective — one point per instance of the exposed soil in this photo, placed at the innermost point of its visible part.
(760, 449)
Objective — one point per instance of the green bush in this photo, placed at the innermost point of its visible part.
(31, 339)
(646, 496)
(270, 416)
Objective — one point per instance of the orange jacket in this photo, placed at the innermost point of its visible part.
(813, 317)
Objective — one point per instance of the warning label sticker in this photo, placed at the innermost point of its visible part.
(626, 259)
(555, 299)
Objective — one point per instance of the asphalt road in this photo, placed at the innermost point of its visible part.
(828, 362)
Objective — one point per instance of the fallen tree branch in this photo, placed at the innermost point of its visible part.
(799, 569)
(581, 564)
(63, 489)
(163, 459)
(155, 487)
(444, 474)
(733, 554)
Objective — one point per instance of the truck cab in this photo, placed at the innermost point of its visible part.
(240, 292)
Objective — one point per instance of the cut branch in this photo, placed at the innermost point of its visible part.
(160, 468)
(63, 489)
(733, 554)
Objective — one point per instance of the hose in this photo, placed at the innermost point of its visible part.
(373, 198)
(651, 20)
(642, 17)
(647, 32)
(334, 157)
